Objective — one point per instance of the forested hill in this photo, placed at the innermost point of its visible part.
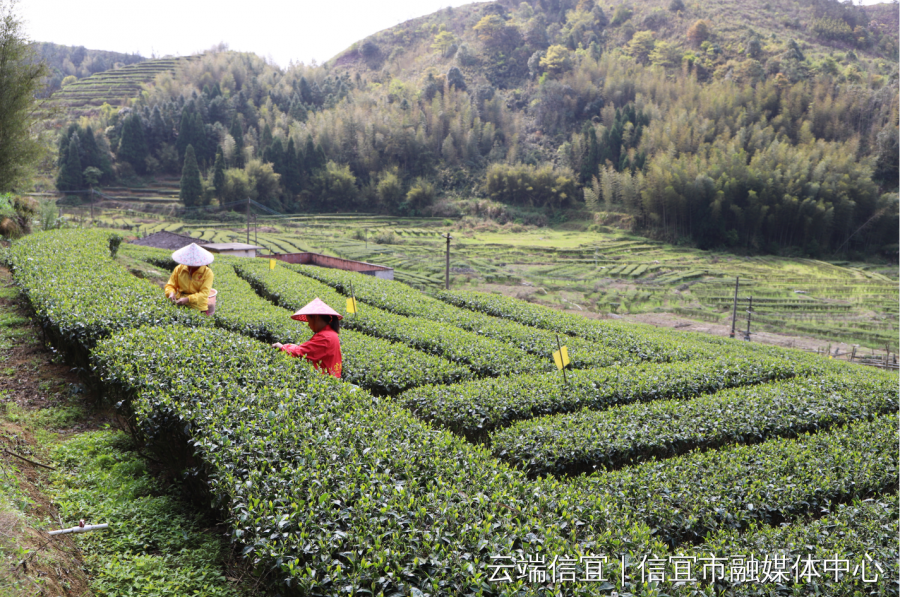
(760, 124)
(69, 63)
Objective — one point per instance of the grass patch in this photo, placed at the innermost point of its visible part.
(153, 546)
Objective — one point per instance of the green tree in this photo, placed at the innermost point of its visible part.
(70, 173)
(91, 176)
(291, 180)
(95, 157)
(665, 54)
(495, 34)
(443, 41)
(533, 186)
(641, 46)
(456, 79)
(334, 187)
(556, 60)
(622, 13)
(266, 141)
(237, 186)
(219, 173)
(191, 193)
(20, 80)
(237, 133)
(390, 189)
(421, 194)
(133, 146)
(265, 182)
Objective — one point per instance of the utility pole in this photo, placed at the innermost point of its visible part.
(749, 313)
(734, 309)
(92, 204)
(447, 271)
(255, 230)
(248, 220)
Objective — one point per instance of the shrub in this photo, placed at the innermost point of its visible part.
(533, 186)
(114, 241)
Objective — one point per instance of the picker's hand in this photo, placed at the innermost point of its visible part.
(182, 301)
(171, 296)
(277, 345)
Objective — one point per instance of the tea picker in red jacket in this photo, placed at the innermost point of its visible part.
(324, 348)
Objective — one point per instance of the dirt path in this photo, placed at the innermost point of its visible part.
(668, 320)
(42, 404)
(29, 381)
(683, 324)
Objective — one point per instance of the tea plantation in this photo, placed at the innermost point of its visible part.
(595, 271)
(453, 458)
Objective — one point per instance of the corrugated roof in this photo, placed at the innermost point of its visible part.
(166, 240)
(230, 247)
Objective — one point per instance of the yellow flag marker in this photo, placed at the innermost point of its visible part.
(351, 305)
(272, 264)
(561, 357)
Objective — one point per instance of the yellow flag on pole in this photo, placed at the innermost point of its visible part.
(561, 357)
(272, 264)
(351, 305)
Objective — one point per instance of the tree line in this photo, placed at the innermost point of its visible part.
(771, 151)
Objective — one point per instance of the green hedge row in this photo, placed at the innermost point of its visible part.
(332, 488)
(404, 300)
(474, 409)
(849, 533)
(484, 356)
(79, 294)
(335, 490)
(380, 366)
(642, 339)
(687, 497)
(589, 440)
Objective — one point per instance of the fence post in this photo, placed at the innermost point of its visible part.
(737, 280)
(749, 313)
(447, 270)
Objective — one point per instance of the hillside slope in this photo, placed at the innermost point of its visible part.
(736, 30)
(699, 127)
(115, 86)
(77, 62)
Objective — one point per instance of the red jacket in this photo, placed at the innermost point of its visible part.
(323, 349)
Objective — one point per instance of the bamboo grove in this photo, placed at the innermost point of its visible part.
(748, 143)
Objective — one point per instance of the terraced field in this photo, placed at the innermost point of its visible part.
(459, 461)
(114, 87)
(601, 273)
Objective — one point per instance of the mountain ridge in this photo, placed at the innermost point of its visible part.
(717, 134)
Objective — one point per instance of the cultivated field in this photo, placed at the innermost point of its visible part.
(597, 273)
(115, 87)
(458, 460)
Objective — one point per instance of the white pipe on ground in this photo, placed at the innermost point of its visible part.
(84, 529)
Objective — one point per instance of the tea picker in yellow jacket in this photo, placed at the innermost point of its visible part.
(190, 284)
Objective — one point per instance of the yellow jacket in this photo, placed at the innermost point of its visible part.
(196, 288)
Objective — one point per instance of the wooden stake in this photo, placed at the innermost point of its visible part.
(749, 312)
(353, 298)
(559, 348)
(27, 460)
(447, 271)
(737, 281)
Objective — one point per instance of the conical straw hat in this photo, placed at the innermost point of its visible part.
(315, 307)
(193, 256)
